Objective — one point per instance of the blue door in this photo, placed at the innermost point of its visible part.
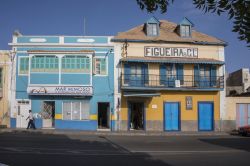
(206, 117)
(171, 113)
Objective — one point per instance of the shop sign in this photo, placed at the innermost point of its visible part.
(61, 90)
(189, 103)
(171, 52)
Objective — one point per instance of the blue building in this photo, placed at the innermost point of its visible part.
(67, 82)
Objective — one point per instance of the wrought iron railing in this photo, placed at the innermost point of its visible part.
(171, 81)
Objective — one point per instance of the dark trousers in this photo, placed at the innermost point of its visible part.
(31, 124)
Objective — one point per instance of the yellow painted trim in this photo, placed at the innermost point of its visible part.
(93, 117)
(58, 116)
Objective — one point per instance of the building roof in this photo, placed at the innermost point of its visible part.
(173, 60)
(167, 34)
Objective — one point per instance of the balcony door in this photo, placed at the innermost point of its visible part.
(136, 74)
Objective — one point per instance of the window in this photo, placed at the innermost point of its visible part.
(100, 66)
(76, 110)
(136, 70)
(1, 79)
(48, 63)
(76, 63)
(152, 29)
(185, 31)
(23, 65)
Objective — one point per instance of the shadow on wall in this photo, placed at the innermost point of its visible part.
(235, 143)
(35, 148)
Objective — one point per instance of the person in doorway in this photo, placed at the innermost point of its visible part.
(31, 120)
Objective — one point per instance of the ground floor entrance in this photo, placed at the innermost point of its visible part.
(103, 116)
(48, 114)
(242, 115)
(136, 116)
(205, 116)
(171, 116)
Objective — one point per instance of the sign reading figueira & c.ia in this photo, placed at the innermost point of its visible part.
(171, 52)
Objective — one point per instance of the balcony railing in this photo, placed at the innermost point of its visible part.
(168, 82)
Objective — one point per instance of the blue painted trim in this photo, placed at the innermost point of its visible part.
(205, 102)
(172, 89)
(173, 61)
(179, 117)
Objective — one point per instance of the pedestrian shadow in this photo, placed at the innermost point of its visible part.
(36, 148)
(235, 143)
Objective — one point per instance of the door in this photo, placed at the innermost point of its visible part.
(205, 116)
(136, 116)
(48, 114)
(103, 116)
(136, 75)
(22, 114)
(171, 116)
(242, 115)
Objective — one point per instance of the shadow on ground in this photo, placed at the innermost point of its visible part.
(240, 143)
(34, 148)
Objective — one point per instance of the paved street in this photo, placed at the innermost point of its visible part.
(34, 148)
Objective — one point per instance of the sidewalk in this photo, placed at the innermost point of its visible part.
(114, 133)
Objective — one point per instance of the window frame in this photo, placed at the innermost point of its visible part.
(151, 28)
(185, 31)
(19, 65)
(66, 66)
(106, 66)
(40, 64)
(80, 112)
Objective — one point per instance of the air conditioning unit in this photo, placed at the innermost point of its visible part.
(177, 83)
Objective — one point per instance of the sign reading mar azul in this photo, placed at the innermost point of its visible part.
(61, 90)
(171, 52)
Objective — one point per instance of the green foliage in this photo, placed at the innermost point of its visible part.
(237, 10)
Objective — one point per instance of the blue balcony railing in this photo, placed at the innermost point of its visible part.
(171, 81)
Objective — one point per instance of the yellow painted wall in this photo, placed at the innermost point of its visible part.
(231, 104)
(4, 104)
(137, 49)
(176, 96)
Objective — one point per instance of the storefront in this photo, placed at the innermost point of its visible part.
(67, 82)
(171, 78)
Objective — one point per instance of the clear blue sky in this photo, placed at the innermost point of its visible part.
(108, 17)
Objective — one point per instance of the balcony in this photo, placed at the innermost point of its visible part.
(159, 82)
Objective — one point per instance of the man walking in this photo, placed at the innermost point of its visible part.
(31, 121)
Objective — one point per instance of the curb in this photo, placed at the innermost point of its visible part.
(112, 133)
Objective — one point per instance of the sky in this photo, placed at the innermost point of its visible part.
(108, 17)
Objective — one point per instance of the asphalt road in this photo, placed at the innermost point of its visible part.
(28, 148)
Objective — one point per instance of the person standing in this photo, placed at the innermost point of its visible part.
(31, 120)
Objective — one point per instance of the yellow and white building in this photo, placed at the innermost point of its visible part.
(5, 78)
(171, 78)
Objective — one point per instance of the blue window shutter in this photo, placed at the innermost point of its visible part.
(145, 73)
(163, 73)
(213, 75)
(126, 73)
(196, 75)
(180, 76)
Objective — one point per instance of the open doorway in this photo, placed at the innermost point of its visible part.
(103, 115)
(48, 114)
(136, 116)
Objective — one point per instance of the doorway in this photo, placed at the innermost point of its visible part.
(48, 114)
(136, 116)
(103, 116)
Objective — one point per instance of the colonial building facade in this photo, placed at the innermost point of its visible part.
(171, 78)
(67, 82)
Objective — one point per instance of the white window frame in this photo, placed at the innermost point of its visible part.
(71, 111)
(94, 65)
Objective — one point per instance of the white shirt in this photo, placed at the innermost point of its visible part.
(30, 116)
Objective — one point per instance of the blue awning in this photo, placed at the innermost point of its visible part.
(173, 60)
(141, 94)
